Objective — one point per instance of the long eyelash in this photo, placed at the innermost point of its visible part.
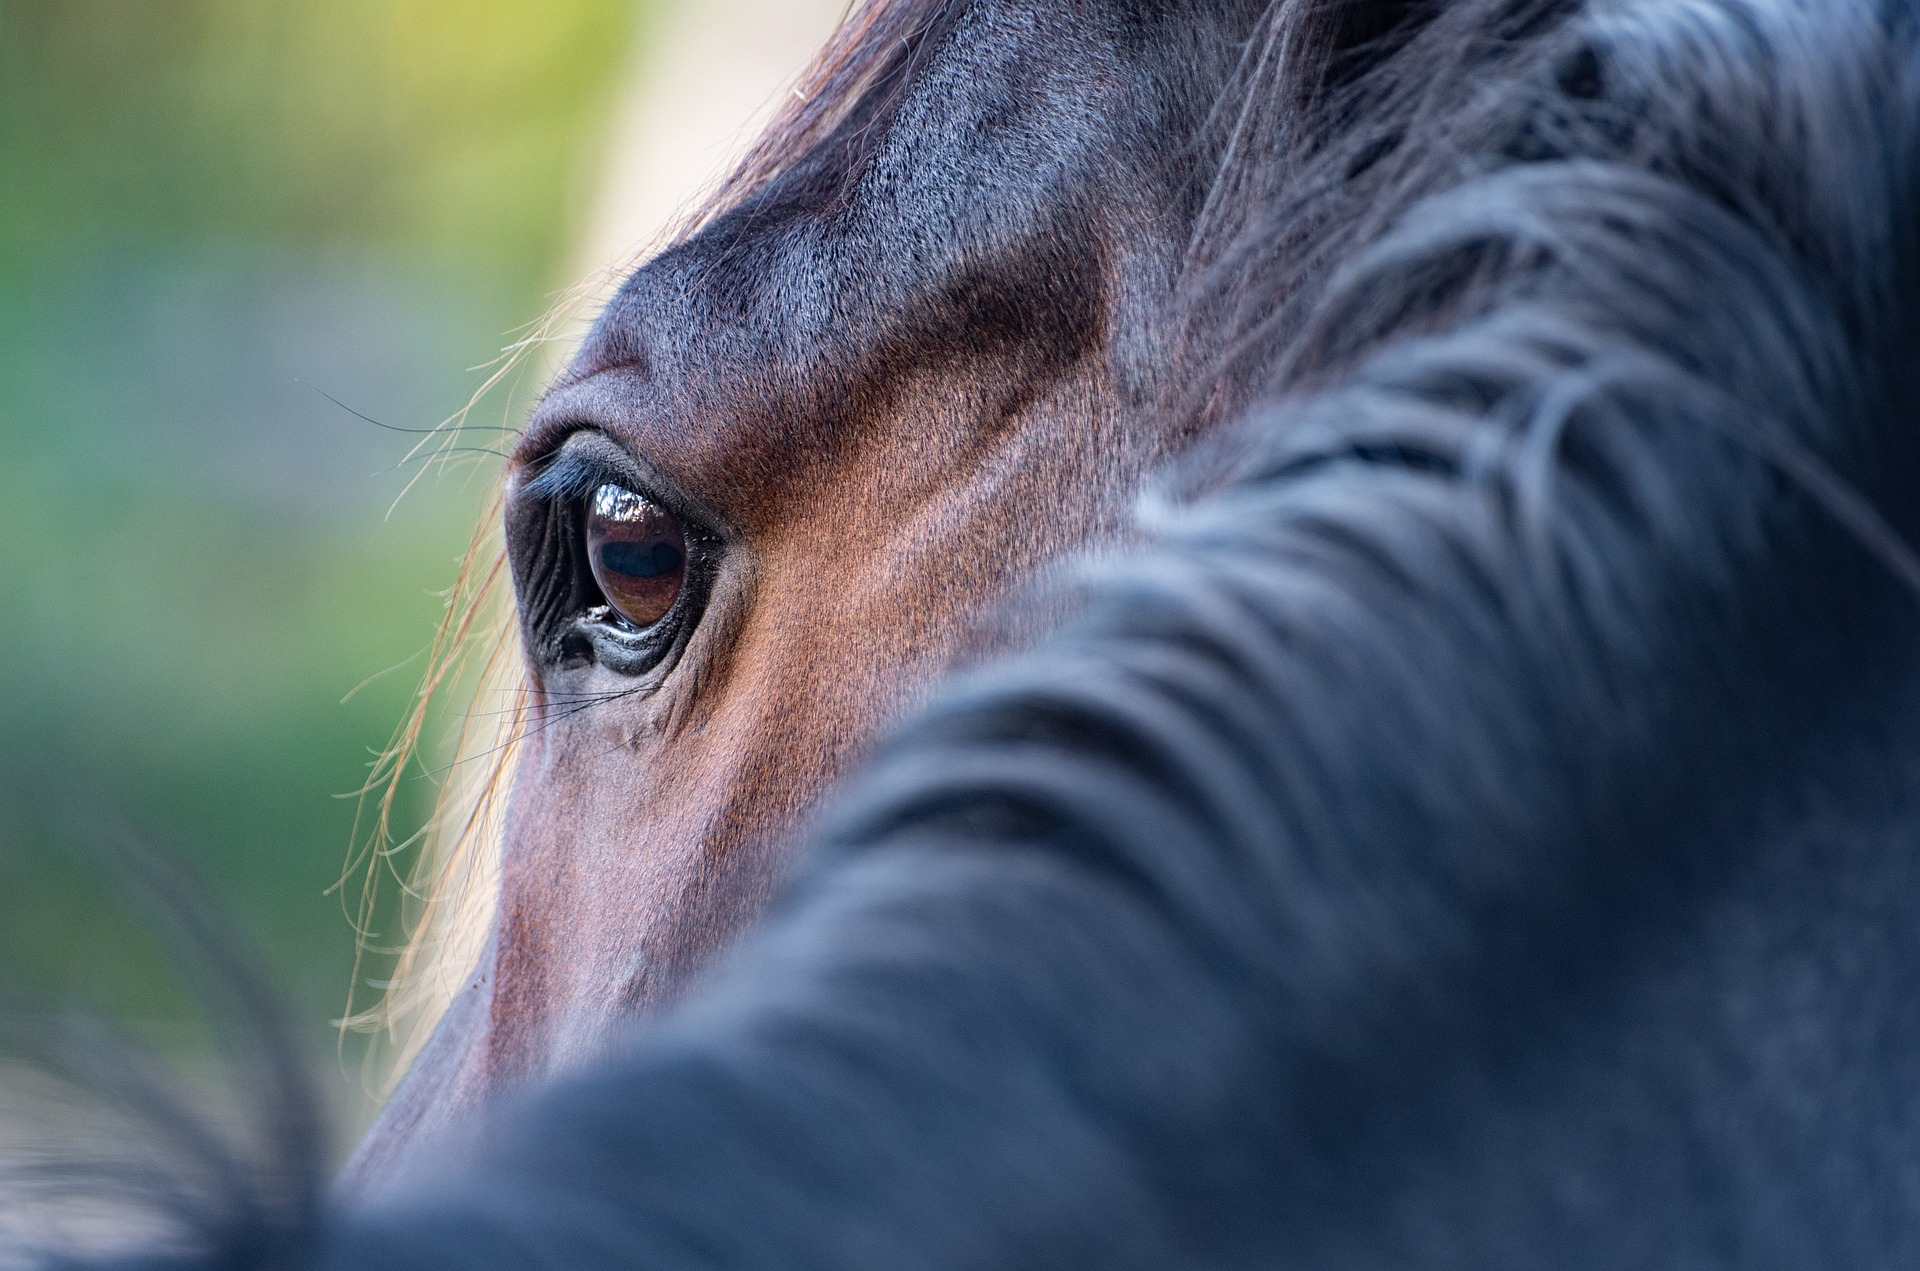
(447, 428)
(575, 476)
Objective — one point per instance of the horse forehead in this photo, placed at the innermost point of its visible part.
(1009, 157)
(1011, 219)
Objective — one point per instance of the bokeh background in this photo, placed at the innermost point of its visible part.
(216, 216)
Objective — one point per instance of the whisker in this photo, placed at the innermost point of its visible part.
(581, 699)
(516, 739)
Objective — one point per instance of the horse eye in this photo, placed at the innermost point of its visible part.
(638, 551)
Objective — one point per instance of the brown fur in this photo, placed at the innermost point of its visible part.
(893, 445)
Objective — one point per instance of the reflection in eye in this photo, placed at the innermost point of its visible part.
(638, 552)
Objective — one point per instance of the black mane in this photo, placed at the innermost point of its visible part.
(1478, 831)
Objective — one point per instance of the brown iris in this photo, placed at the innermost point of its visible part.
(638, 551)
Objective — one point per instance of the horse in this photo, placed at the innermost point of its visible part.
(1465, 819)
(903, 365)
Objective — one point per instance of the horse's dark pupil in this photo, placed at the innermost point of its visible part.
(640, 560)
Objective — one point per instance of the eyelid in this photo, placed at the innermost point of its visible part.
(589, 459)
(574, 472)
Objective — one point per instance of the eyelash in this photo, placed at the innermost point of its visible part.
(572, 478)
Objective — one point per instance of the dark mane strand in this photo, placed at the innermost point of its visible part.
(1360, 110)
(850, 81)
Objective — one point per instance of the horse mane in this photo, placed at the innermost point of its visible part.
(1554, 547)
(1570, 351)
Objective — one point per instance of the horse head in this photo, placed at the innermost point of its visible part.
(800, 465)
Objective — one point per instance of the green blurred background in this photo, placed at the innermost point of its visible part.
(212, 211)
